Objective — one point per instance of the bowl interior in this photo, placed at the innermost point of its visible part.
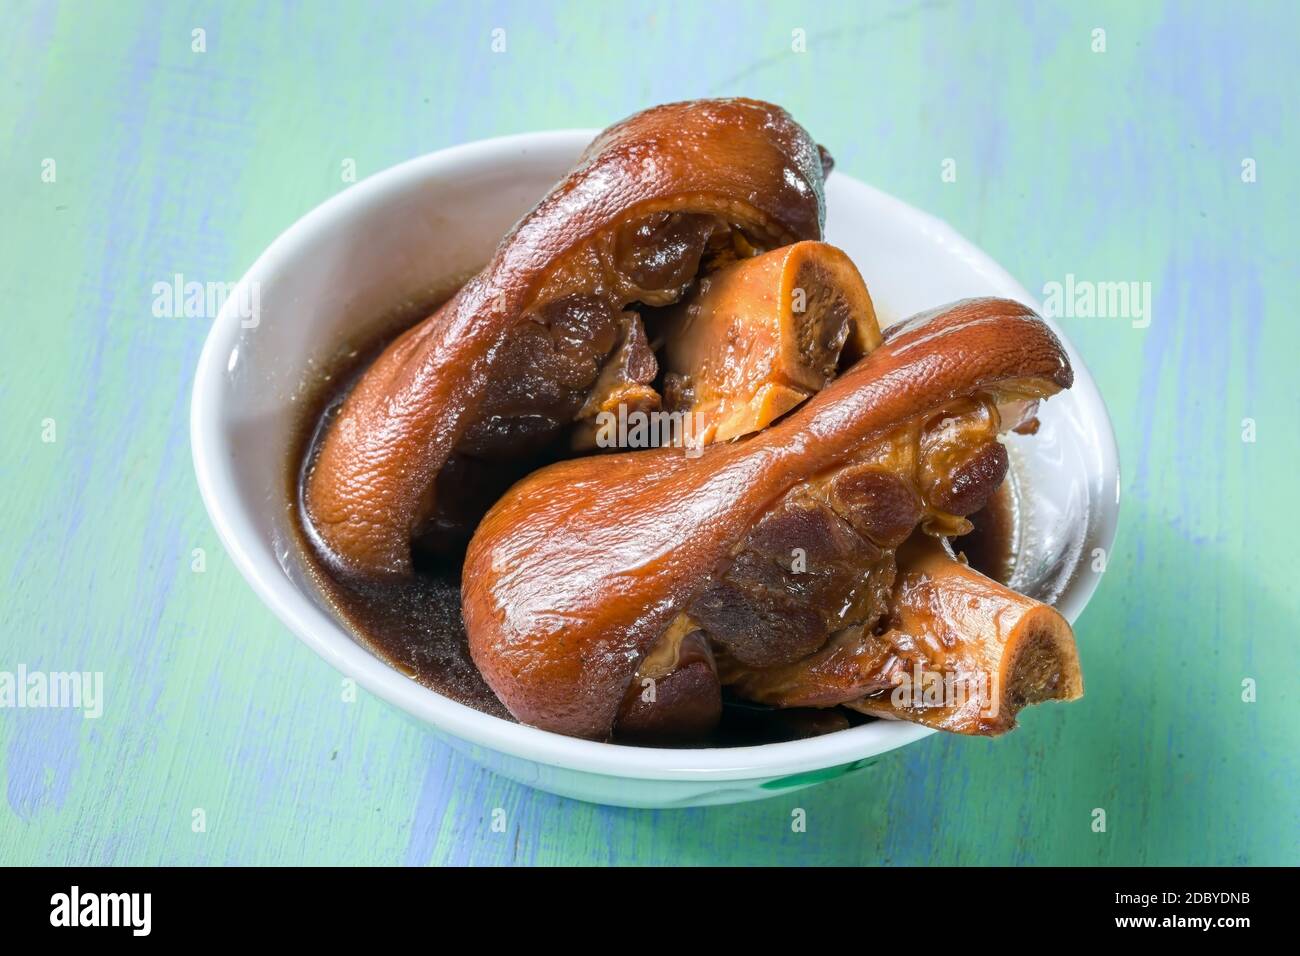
(397, 237)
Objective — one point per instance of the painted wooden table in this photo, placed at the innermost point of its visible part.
(135, 148)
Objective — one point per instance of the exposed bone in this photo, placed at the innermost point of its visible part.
(760, 336)
(966, 653)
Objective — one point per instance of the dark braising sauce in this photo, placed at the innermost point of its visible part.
(990, 547)
(415, 624)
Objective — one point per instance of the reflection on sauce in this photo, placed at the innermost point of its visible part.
(415, 624)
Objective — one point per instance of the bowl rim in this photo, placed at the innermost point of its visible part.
(327, 637)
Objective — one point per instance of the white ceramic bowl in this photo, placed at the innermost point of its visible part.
(389, 240)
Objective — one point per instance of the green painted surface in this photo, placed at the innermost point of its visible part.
(1122, 165)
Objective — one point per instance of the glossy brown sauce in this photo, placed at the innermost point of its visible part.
(990, 547)
(415, 624)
